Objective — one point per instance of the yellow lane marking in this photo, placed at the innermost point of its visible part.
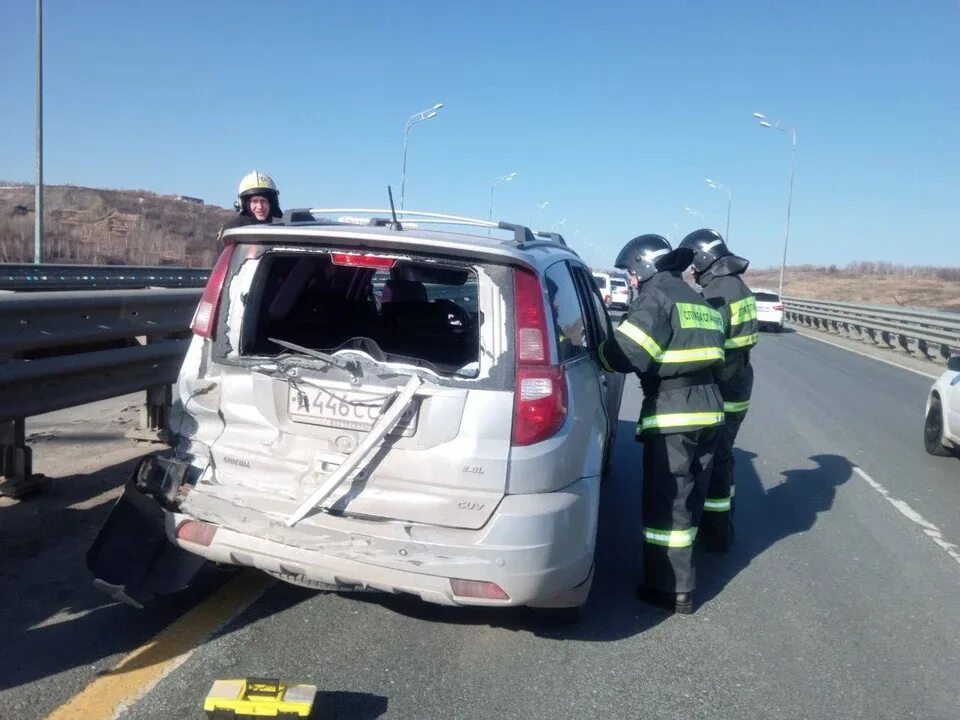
(138, 671)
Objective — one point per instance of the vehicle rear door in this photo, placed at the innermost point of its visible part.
(289, 421)
(585, 400)
(595, 312)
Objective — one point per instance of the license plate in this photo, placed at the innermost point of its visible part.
(347, 410)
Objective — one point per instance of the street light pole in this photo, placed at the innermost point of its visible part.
(777, 125)
(497, 181)
(411, 121)
(717, 186)
(38, 190)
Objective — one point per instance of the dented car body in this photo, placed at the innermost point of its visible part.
(369, 408)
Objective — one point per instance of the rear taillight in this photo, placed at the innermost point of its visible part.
(477, 589)
(540, 400)
(778, 307)
(199, 533)
(541, 404)
(205, 318)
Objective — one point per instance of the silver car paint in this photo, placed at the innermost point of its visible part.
(454, 500)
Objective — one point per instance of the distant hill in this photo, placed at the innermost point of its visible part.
(877, 283)
(138, 227)
(109, 227)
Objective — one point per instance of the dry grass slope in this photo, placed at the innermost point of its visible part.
(868, 282)
(137, 227)
(109, 227)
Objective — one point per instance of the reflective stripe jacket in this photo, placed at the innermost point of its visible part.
(673, 340)
(725, 291)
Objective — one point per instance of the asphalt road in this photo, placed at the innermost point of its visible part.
(839, 599)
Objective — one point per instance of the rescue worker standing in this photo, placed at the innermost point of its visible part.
(674, 341)
(258, 201)
(717, 270)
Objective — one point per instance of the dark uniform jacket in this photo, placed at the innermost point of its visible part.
(725, 291)
(674, 341)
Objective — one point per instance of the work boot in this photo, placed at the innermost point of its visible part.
(674, 602)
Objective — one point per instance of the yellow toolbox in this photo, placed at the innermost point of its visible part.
(258, 698)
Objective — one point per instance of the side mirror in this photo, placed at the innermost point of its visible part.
(954, 363)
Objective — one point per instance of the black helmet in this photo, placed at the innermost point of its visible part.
(708, 247)
(648, 254)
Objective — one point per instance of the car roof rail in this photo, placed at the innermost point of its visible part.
(299, 215)
(521, 233)
(555, 236)
(380, 218)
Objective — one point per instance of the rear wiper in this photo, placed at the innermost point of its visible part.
(371, 348)
(350, 367)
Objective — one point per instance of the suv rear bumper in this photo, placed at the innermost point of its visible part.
(538, 548)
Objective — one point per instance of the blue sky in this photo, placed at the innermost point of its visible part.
(613, 112)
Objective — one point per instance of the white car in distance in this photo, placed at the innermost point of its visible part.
(602, 280)
(769, 309)
(619, 294)
(941, 427)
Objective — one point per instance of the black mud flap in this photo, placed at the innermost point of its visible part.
(131, 558)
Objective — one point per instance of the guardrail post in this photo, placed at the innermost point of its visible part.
(155, 411)
(16, 461)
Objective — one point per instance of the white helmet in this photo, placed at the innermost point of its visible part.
(258, 183)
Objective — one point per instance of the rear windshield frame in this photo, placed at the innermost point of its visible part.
(495, 373)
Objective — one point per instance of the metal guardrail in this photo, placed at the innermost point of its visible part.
(61, 349)
(928, 332)
(98, 277)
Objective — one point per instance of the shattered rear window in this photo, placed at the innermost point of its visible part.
(417, 312)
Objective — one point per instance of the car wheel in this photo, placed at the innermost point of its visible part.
(933, 431)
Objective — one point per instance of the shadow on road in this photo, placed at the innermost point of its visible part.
(49, 610)
(353, 705)
(765, 516)
(57, 621)
(612, 612)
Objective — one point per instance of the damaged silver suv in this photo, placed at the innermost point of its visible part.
(369, 404)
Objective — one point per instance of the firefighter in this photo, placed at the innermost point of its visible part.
(674, 341)
(257, 203)
(717, 270)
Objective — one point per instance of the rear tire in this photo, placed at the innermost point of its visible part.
(933, 431)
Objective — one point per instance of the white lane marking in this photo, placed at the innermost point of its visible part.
(929, 529)
(868, 355)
